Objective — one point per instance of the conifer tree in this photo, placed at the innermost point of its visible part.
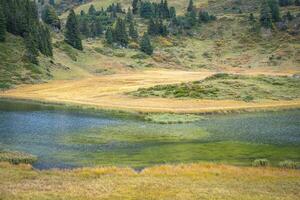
(50, 17)
(2, 25)
(129, 16)
(190, 7)
(274, 6)
(135, 6)
(133, 33)
(72, 34)
(120, 33)
(297, 2)
(31, 52)
(92, 10)
(52, 2)
(145, 45)
(172, 12)
(265, 15)
(109, 36)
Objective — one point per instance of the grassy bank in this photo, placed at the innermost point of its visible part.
(189, 182)
(14, 157)
(230, 87)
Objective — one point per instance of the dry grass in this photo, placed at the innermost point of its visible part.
(107, 92)
(194, 181)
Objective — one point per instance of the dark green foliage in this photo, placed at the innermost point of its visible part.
(97, 29)
(297, 2)
(274, 6)
(251, 17)
(109, 36)
(145, 45)
(289, 16)
(135, 6)
(119, 33)
(129, 16)
(50, 17)
(191, 7)
(22, 19)
(157, 27)
(204, 16)
(45, 46)
(286, 2)
(265, 15)
(133, 33)
(31, 47)
(2, 25)
(72, 34)
(92, 10)
(172, 12)
(52, 2)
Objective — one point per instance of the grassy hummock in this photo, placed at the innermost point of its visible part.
(230, 87)
(172, 118)
(14, 157)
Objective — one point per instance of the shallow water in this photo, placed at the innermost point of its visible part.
(70, 139)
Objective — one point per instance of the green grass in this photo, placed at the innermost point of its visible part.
(14, 157)
(14, 69)
(227, 86)
(188, 182)
(172, 118)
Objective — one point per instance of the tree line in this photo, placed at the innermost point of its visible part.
(20, 17)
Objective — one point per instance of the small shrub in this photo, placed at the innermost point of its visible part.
(288, 164)
(139, 56)
(261, 163)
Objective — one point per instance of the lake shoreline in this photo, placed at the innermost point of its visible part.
(94, 109)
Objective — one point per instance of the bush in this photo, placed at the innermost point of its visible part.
(288, 164)
(140, 56)
(261, 163)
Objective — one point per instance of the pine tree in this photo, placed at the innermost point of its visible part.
(152, 27)
(92, 10)
(129, 16)
(265, 15)
(135, 6)
(109, 36)
(120, 33)
(2, 25)
(172, 12)
(72, 34)
(31, 52)
(190, 7)
(133, 33)
(274, 6)
(52, 2)
(50, 17)
(145, 45)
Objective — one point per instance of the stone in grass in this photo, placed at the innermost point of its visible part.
(173, 118)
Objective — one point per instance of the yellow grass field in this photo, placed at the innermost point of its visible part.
(108, 92)
(188, 182)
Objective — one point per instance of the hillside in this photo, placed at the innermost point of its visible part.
(232, 42)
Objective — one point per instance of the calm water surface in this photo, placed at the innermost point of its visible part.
(70, 139)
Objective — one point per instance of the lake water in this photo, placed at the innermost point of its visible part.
(65, 139)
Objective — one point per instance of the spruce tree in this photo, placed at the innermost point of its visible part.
(120, 33)
(133, 33)
(172, 12)
(2, 25)
(52, 2)
(274, 6)
(145, 45)
(135, 6)
(72, 34)
(109, 36)
(31, 52)
(190, 7)
(92, 10)
(265, 15)
(50, 17)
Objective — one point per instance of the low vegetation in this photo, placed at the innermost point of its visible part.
(172, 118)
(188, 182)
(17, 157)
(229, 86)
